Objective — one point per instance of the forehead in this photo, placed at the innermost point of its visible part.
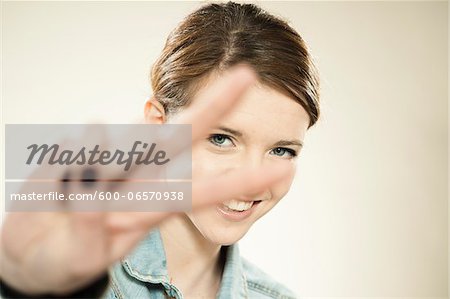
(263, 108)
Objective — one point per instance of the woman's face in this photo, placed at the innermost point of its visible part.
(265, 127)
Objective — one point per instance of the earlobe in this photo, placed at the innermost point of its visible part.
(154, 112)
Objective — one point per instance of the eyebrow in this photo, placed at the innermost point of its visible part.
(289, 142)
(231, 131)
(279, 143)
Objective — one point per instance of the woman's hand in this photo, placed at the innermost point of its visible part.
(60, 252)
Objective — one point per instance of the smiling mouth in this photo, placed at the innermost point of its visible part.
(238, 205)
(237, 210)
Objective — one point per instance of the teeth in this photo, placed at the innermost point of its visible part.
(238, 205)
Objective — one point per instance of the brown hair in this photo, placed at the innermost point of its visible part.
(220, 35)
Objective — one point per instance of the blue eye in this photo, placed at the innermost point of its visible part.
(220, 140)
(281, 151)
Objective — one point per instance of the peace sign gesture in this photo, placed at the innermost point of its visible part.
(59, 252)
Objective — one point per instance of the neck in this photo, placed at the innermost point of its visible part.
(194, 264)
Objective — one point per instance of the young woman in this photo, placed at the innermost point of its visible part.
(243, 162)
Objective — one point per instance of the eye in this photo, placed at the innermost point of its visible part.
(221, 140)
(282, 151)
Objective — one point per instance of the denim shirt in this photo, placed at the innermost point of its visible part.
(143, 274)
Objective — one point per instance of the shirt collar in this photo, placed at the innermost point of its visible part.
(148, 263)
(233, 283)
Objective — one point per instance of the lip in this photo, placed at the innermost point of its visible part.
(236, 216)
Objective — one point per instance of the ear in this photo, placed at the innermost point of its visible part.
(154, 112)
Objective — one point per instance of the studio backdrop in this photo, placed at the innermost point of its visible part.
(367, 215)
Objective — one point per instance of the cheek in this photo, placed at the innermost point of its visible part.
(280, 189)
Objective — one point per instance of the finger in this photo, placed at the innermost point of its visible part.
(216, 100)
(89, 237)
(16, 237)
(210, 191)
(45, 170)
(211, 105)
(239, 182)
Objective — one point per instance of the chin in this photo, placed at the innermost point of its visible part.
(224, 236)
(213, 227)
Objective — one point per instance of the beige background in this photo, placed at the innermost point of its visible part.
(367, 215)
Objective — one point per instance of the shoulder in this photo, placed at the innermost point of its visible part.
(260, 283)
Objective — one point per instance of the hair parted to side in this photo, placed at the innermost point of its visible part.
(220, 35)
